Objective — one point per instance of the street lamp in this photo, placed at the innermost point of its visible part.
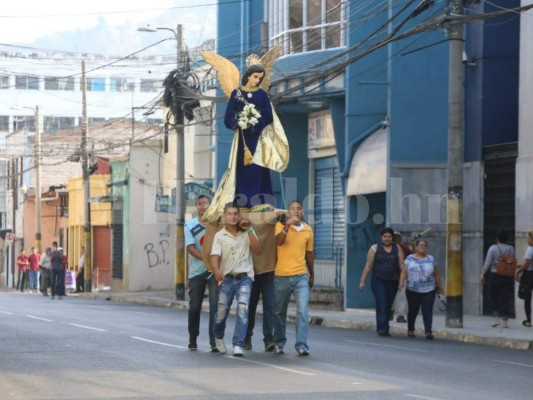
(38, 218)
(179, 277)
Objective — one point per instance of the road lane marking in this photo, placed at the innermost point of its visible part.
(386, 345)
(148, 314)
(294, 371)
(513, 363)
(159, 343)
(417, 396)
(40, 319)
(88, 327)
(6, 312)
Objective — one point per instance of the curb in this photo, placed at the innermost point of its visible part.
(318, 320)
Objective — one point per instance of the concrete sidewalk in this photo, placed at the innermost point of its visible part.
(475, 329)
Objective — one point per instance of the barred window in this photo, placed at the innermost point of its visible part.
(151, 85)
(52, 83)
(26, 82)
(4, 82)
(307, 25)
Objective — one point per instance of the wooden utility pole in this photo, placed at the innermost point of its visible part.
(87, 266)
(454, 202)
(38, 159)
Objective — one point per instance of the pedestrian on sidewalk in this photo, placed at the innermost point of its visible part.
(234, 270)
(22, 264)
(524, 275)
(500, 287)
(400, 302)
(423, 278)
(45, 266)
(384, 259)
(80, 279)
(56, 272)
(199, 277)
(34, 260)
(294, 274)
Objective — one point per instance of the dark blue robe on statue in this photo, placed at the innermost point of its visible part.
(253, 182)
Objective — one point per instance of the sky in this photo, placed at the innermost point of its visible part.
(105, 26)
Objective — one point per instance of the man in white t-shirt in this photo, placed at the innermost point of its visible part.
(234, 270)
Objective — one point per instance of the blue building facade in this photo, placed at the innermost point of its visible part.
(366, 120)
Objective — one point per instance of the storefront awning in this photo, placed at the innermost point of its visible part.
(368, 169)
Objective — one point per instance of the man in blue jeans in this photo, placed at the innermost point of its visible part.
(294, 274)
(199, 277)
(233, 267)
(263, 287)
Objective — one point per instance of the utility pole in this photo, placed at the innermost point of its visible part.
(454, 202)
(38, 226)
(179, 274)
(87, 268)
(180, 181)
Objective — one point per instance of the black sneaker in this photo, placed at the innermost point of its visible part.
(401, 319)
(214, 349)
(247, 345)
(303, 352)
(270, 346)
(192, 345)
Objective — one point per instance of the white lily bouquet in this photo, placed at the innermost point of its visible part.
(249, 116)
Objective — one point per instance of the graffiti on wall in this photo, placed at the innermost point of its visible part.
(157, 253)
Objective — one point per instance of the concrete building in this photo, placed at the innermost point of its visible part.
(524, 162)
(367, 124)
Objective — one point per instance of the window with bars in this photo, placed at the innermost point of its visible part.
(56, 123)
(52, 83)
(24, 123)
(307, 25)
(26, 82)
(4, 82)
(4, 123)
(121, 85)
(94, 84)
(151, 85)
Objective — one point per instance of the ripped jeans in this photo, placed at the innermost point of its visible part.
(229, 289)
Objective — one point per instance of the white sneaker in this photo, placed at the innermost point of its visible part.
(221, 346)
(237, 351)
(279, 350)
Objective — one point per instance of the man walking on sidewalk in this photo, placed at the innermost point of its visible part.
(34, 260)
(294, 274)
(233, 268)
(22, 264)
(199, 277)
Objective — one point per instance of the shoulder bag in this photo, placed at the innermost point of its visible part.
(506, 265)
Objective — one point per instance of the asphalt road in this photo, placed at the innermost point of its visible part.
(86, 349)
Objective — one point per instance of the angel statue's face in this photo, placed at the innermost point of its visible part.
(254, 79)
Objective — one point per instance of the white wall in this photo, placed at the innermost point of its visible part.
(152, 251)
(524, 162)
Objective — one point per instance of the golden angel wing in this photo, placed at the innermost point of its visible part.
(227, 73)
(267, 61)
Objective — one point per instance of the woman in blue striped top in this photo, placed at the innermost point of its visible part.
(420, 271)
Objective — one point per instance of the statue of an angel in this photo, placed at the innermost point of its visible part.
(259, 142)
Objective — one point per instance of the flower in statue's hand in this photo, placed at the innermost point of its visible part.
(249, 116)
(242, 124)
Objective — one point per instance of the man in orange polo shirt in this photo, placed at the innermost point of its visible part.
(293, 274)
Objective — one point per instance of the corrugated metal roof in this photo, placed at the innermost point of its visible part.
(305, 64)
